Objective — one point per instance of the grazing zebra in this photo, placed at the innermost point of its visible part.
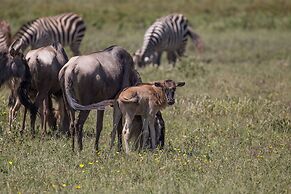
(168, 34)
(5, 35)
(67, 28)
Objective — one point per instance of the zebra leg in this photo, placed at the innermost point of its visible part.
(157, 59)
(172, 58)
(75, 48)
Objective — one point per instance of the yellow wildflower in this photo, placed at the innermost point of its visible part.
(78, 186)
(90, 163)
(64, 184)
(81, 165)
(10, 162)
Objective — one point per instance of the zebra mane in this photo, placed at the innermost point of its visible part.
(25, 26)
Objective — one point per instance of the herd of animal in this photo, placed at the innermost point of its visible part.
(93, 81)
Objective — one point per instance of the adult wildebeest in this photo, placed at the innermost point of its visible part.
(14, 67)
(93, 78)
(145, 100)
(44, 64)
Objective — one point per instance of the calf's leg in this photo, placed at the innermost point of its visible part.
(126, 131)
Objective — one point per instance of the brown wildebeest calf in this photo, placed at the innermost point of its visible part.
(145, 100)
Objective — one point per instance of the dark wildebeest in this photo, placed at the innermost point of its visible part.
(93, 78)
(14, 67)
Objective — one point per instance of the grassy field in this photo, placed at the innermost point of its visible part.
(229, 132)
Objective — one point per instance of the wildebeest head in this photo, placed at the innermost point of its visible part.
(15, 47)
(11, 66)
(169, 88)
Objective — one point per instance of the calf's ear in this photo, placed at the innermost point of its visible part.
(158, 84)
(180, 84)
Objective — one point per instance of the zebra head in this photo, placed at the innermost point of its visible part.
(140, 59)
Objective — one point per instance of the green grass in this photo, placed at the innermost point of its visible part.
(229, 132)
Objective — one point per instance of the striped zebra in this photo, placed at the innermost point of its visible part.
(67, 28)
(168, 34)
(5, 35)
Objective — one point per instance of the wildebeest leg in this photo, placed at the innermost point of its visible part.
(160, 125)
(12, 113)
(126, 130)
(145, 131)
(23, 121)
(38, 100)
(160, 129)
(64, 118)
(119, 135)
(72, 127)
(152, 132)
(79, 126)
(117, 124)
(44, 117)
(99, 127)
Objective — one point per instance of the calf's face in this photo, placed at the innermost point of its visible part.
(169, 88)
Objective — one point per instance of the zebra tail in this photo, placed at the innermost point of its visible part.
(196, 40)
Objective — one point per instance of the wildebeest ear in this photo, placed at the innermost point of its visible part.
(180, 84)
(158, 84)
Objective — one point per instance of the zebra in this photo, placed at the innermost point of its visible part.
(5, 35)
(168, 33)
(66, 28)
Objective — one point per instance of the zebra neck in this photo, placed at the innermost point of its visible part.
(147, 50)
(3, 43)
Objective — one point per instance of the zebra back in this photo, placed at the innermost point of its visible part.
(67, 28)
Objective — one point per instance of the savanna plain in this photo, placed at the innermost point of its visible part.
(229, 131)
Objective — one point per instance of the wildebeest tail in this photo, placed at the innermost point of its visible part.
(23, 89)
(66, 84)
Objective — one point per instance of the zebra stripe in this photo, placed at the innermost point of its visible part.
(67, 28)
(170, 34)
(5, 35)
